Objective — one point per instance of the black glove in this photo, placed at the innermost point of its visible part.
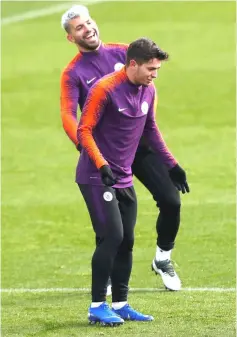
(128, 195)
(178, 177)
(107, 176)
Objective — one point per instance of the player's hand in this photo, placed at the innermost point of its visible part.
(107, 176)
(178, 177)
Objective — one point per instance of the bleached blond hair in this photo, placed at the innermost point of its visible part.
(72, 13)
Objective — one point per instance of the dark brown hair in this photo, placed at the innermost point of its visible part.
(143, 50)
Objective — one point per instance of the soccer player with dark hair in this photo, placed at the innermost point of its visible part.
(118, 111)
(94, 60)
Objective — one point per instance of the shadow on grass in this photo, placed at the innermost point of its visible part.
(55, 327)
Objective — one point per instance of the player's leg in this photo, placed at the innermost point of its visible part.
(153, 174)
(109, 285)
(122, 267)
(123, 261)
(107, 223)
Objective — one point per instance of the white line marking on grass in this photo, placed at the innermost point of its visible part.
(81, 290)
(43, 12)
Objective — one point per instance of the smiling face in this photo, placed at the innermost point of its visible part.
(84, 32)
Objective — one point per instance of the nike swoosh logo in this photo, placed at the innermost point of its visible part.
(89, 81)
(121, 109)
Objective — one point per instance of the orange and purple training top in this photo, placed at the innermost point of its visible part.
(115, 116)
(81, 73)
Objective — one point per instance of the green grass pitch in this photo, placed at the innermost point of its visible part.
(47, 239)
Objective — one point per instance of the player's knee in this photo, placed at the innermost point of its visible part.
(115, 239)
(171, 205)
(126, 245)
(170, 202)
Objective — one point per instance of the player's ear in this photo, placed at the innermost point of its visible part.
(133, 63)
(70, 38)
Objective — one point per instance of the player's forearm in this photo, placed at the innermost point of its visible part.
(156, 141)
(70, 125)
(69, 98)
(86, 140)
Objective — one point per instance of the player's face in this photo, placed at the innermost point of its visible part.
(146, 72)
(84, 33)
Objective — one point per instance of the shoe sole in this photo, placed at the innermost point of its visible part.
(138, 320)
(158, 271)
(101, 323)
